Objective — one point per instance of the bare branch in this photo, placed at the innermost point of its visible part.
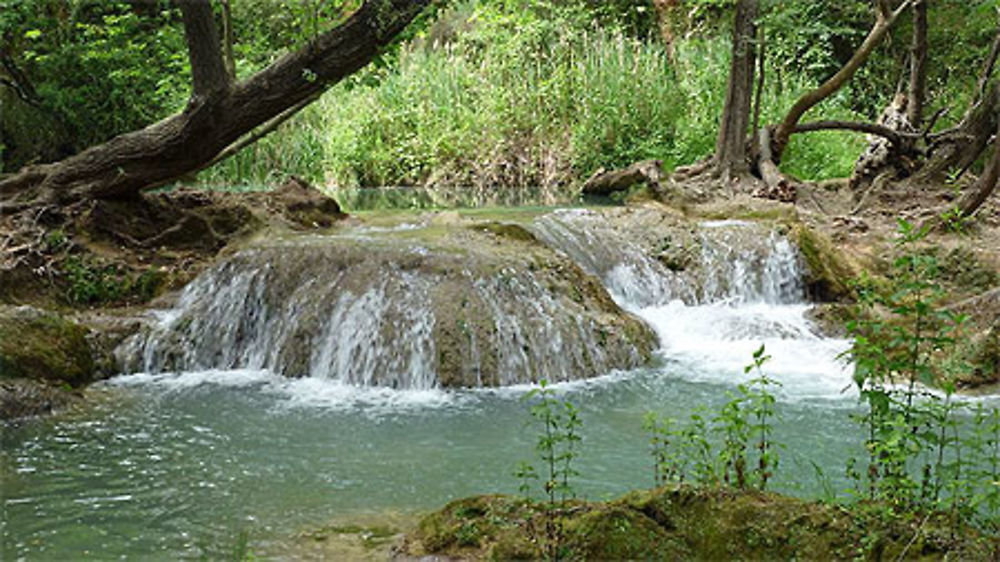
(987, 71)
(895, 137)
(809, 100)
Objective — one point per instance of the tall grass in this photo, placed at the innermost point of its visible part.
(508, 115)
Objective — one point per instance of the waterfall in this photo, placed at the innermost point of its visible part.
(713, 291)
(392, 312)
(401, 309)
(645, 264)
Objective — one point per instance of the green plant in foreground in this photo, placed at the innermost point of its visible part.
(748, 416)
(666, 461)
(904, 338)
(760, 403)
(557, 447)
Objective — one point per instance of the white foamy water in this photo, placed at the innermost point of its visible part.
(713, 343)
(745, 290)
(306, 392)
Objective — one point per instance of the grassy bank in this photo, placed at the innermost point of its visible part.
(491, 102)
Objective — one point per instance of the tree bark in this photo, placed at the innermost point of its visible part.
(959, 147)
(731, 147)
(918, 66)
(884, 19)
(208, 68)
(981, 190)
(216, 116)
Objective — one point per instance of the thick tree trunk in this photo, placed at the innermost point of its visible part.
(220, 112)
(979, 192)
(918, 66)
(959, 147)
(884, 19)
(731, 147)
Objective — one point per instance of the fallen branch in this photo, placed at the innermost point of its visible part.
(607, 182)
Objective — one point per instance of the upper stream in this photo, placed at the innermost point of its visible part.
(206, 439)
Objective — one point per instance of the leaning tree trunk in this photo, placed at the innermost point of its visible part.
(730, 148)
(220, 111)
(979, 192)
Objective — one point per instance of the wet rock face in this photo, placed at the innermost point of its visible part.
(25, 398)
(421, 309)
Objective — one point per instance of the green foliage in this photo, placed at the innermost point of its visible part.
(903, 339)
(90, 283)
(95, 69)
(557, 447)
(746, 421)
(745, 424)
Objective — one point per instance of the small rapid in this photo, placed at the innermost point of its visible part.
(714, 293)
(300, 382)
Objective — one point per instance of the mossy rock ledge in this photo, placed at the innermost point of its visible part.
(475, 305)
(829, 271)
(42, 357)
(685, 523)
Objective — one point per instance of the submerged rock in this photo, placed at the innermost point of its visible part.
(405, 308)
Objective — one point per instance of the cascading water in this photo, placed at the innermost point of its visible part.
(713, 292)
(199, 448)
(393, 313)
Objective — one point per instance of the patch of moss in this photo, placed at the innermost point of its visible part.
(40, 345)
(684, 523)
(829, 272)
(506, 230)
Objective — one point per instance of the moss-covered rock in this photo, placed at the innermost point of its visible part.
(684, 523)
(450, 305)
(828, 270)
(40, 345)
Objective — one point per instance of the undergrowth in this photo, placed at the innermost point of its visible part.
(508, 100)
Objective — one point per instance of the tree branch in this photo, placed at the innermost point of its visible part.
(895, 137)
(918, 65)
(883, 22)
(261, 132)
(987, 71)
(183, 142)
